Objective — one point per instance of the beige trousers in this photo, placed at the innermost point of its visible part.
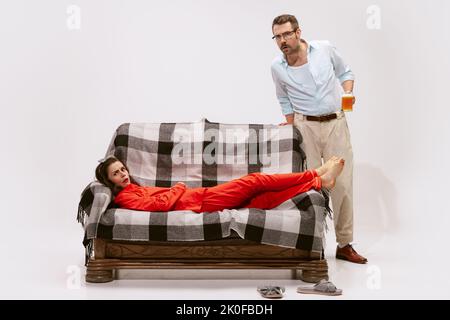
(322, 140)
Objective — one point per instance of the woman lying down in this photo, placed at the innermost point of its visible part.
(255, 190)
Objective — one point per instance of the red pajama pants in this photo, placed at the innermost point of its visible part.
(259, 190)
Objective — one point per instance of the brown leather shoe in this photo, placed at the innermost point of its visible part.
(349, 254)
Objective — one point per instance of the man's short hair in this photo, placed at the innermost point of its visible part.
(284, 18)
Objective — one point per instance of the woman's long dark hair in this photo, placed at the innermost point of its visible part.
(101, 172)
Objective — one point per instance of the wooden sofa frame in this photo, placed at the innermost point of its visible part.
(109, 255)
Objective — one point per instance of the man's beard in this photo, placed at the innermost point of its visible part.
(289, 49)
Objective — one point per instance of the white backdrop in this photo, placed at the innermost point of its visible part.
(68, 78)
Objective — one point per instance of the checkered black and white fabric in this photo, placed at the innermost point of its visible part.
(205, 154)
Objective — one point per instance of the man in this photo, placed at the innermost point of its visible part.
(310, 79)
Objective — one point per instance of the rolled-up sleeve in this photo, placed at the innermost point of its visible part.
(282, 96)
(341, 69)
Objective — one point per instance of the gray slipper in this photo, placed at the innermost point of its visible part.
(271, 292)
(324, 287)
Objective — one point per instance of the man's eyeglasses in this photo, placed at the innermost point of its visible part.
(285, 35)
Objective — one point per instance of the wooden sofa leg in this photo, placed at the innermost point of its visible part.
(99, 276)
(96, 272)
(313, 276)
(311, 271)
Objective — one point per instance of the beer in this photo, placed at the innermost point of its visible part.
(347, 102)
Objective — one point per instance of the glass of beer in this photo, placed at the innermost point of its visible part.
(347, 102)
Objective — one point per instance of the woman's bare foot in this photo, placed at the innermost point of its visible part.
(329, 178)
(326, 166)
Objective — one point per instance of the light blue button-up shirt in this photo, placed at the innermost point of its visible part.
(314, 88)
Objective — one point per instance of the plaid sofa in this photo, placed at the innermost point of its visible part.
(203, 154)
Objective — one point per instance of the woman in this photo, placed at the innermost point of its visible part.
(255, 190)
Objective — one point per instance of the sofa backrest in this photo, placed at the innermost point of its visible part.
(205, 153)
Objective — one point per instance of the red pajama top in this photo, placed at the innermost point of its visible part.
(177, 197)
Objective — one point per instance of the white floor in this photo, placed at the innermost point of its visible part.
(54, 270)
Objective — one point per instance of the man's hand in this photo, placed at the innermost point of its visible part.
(289, 120)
